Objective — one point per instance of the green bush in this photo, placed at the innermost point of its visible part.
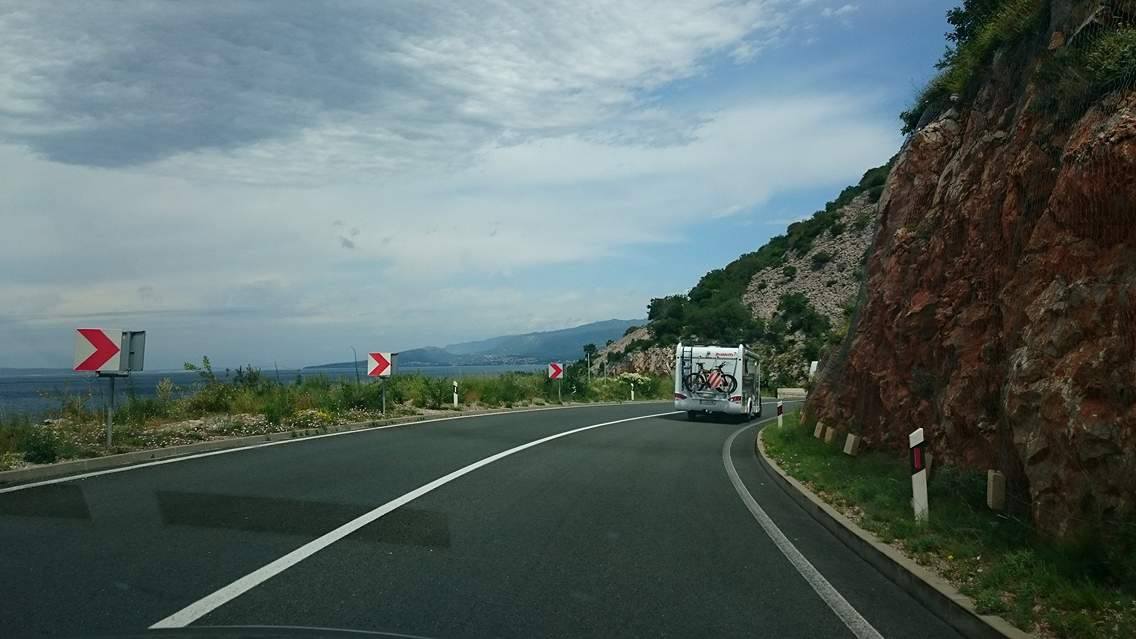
(41, 446)
(1111, 60)
(820, 259)
(278, 406)
(638, 345)
(213, 397)
(789, 272)
(138, 410)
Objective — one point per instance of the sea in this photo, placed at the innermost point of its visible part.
(40, 392)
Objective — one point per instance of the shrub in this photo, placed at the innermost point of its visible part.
(41, 446)
(278, 407)
(820, 259)
(139, 410)
(1111, 60)
(638, 345)
(789, 271)
(9, 460)
(213, 397)
(436, 391)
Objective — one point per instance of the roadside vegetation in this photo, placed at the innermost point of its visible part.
(251, 403)
(1075, 74)
(1081, 590)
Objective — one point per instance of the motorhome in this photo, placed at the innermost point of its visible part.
(717, 380)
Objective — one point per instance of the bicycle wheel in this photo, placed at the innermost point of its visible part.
(729, 384)
(693, 382)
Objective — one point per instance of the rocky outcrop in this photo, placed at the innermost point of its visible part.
(1001, 295)
(655, 360)
(829, 284)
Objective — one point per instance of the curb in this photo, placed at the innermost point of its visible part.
(106, 462)
(929, 589)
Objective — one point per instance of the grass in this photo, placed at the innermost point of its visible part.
(256, 405)
(1009, 24)
(1078, 76)
(1084, 590)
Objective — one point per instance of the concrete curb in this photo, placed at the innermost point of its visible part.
(80, 466)
(929, 589)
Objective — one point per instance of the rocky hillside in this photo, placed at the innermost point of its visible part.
(829, 275)
(789, 299)
(1001, 289)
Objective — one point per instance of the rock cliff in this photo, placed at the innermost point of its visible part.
(1001, 289)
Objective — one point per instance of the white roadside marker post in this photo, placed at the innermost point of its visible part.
(455, 393)
(780, 414)
(918, 447)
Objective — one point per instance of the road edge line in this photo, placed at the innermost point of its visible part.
(844, 611)
(81, 469)
(224, 595)
(932, 591)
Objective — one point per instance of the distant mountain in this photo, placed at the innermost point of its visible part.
(529, 348)
(565, 344)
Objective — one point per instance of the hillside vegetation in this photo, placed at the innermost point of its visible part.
(788, 324)
(1100, 58)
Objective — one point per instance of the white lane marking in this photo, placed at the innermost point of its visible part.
(839, 605)
(174, 460)
(211, 602)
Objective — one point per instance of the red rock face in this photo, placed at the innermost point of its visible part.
(1001, 304)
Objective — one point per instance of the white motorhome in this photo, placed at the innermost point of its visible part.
(717, 379)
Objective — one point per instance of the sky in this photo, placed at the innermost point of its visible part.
(279, 181)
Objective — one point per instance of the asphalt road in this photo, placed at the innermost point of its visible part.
(627, 529)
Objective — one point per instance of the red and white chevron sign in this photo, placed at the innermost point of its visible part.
(97, 349)
(379, 364)
(555, 370)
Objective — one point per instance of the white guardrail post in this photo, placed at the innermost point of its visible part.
(780, 414)
(918, 475)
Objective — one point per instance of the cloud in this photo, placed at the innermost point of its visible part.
(241, 176)
(368, 87)
(841, 11)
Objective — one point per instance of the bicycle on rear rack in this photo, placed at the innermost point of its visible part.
(714, 380)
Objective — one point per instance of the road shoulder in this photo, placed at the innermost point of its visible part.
(939, 596)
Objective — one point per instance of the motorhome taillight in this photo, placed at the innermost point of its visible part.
(736, 398)
(680, 396)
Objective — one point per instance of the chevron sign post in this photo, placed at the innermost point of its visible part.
(381, 365)
(109, 353)
(556, 372)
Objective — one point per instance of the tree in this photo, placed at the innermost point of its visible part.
(967, 22)
(589, 349)
(667, 315)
